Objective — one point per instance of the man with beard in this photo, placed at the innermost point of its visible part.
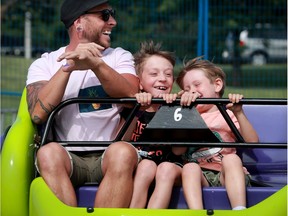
(86, 67)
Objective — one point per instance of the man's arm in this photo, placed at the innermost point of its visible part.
(115, 84)
(88, 56)
(44, 96)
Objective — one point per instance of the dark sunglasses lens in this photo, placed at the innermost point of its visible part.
(113, 13)
(106, 14)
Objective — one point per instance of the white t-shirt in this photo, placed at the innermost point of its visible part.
(84, 122)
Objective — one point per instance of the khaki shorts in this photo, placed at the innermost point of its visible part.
(213, 178)
(86, 168)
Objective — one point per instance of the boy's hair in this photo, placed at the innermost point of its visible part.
(148, 49)
(210, 69)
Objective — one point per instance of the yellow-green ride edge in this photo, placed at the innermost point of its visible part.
(22, 195)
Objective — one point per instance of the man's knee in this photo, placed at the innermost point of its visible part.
(51, 155)
(120, 155)
(48, 151)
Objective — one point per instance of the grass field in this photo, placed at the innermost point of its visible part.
(269, 81)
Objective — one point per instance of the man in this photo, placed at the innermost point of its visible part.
(86, 67)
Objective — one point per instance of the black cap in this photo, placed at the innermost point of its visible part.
(73, 9)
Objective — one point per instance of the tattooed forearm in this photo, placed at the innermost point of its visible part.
(37, 120)
(32, 100)
(32, 94)
(44, 108)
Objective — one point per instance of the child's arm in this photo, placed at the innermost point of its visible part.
(145, 100)
(246, 129)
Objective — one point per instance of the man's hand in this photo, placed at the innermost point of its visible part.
(85, 56)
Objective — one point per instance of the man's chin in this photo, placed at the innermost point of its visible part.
(105, 44)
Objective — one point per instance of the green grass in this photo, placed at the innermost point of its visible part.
(13, 78)
(252, 92)
(269, 81)
(14, 73)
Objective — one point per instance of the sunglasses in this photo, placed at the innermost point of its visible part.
(106, 13)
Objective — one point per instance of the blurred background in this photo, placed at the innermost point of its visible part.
(247, 38)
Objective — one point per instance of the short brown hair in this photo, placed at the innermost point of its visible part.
(148, 49)
(210, 69)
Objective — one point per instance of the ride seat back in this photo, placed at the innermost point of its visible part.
(270, 122)
(267, 166)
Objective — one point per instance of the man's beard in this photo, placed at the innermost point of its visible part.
(96, 39)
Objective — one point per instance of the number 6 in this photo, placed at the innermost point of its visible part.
(177, 114)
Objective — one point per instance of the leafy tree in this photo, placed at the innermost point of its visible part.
(174, 23)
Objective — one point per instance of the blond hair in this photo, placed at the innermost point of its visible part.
(212, 72)
(148, 49)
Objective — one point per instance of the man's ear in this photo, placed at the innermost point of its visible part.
(77, 24)
(79, 28)
(218, 83)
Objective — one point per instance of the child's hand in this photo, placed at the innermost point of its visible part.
(233, 106)
(144, 98)
(188, 97)
(169, 98)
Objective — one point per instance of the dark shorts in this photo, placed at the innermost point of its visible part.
(213, 178)
(163, 157)
(86, 168)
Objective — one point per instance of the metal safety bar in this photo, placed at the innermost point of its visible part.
(219, 102)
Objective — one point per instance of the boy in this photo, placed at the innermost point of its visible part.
(222, 166)
(155, 70)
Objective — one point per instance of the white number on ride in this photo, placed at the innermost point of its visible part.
(177, 114)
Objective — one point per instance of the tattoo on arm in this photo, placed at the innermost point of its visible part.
(37, 120)
(32, 99)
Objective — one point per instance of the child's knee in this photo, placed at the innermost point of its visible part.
(190, 168)
(231, 161)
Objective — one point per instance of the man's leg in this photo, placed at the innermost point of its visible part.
(119, 162)
(55, 167)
